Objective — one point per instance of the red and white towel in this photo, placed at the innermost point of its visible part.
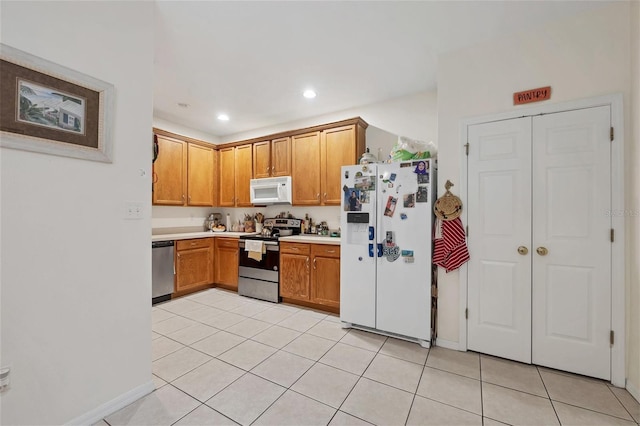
(450, 246)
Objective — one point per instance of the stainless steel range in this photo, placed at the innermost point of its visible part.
(259, 271)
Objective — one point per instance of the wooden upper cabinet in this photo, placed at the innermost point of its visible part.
(313, 157)
(200, 176)
(305, 168)
(338, 148)
(281, 157)
(227, 180)
(184, 173)
(272, 158)
(169, 172)
(243, 174)
(262, 159)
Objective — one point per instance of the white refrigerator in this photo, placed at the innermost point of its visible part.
(385, 250)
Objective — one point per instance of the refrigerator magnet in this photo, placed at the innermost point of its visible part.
(423, 178)
(392, 253)
(352, 200)
(409, 200)
(422, 196)
(392, 177)
(391, 206)
(421, 168)
(403, 216)
(406, 253)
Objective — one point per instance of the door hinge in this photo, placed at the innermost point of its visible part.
(613, 236)
(611, 337)
(611, 134)
(466, 313)
(466, 148)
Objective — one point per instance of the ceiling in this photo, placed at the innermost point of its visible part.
(252, 60)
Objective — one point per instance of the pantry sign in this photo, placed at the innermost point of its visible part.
(533, 95)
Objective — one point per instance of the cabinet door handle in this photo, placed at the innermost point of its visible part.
(318, 196)
(273, 169)
(523, 250)
(331, 251)
(314, 263)
(542, 251)
(267, 169)
(307, 263)
(325, 196)
(182, 197)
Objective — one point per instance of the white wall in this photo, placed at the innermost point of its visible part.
(579, 57)
(76, 276)
(413, 116)
(179, 129)
(633, 221)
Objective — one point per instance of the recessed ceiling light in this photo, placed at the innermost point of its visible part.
(183, 105)
(309, 94)
(223, 117)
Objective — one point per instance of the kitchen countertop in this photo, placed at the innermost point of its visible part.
(166, 234)
(312, 239)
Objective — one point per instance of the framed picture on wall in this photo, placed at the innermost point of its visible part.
(51, 109)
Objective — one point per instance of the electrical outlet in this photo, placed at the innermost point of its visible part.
(133, 210)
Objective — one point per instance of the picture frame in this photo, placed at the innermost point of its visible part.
(51, 109)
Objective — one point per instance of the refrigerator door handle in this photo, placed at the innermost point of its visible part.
(371, 250)
(379, 250)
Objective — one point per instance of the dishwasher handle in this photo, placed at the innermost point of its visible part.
(160, 244)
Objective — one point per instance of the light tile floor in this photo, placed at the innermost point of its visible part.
(222, 359)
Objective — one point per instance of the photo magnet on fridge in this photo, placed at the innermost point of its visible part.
(423, 178)
(422, 196)
(352, 200)
(391, 206)
(409, 200)
(365, 197)
(421, 168)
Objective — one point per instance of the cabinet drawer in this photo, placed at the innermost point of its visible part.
(326, 250)
(294, 248)
(193, 244)
(227, 242)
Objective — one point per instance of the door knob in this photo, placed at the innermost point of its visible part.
(523, 250)
(542, 251)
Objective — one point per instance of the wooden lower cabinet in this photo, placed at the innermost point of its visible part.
(294, 270)
(226, 256)
(310, 273)
(325, 275)
(194, 263)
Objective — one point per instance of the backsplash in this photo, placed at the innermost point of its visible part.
(169, 217)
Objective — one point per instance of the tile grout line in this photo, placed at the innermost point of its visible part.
(481, 389)
(623, 406)
(413, 400)
(548, 395)
(359, 378)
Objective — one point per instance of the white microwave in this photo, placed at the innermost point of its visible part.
(276, 190)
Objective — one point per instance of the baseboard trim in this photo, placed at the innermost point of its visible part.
(114, 405)
(448, 344)
(633, 390)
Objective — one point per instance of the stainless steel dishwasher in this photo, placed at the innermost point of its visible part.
(162, 270)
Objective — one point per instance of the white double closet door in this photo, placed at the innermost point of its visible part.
(539, 278)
